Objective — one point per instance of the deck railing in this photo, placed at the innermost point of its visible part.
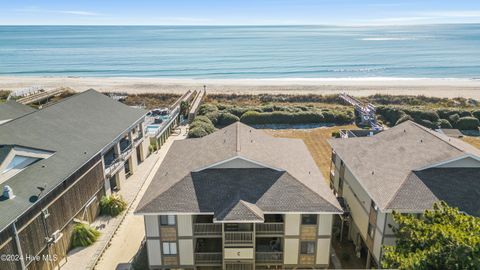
(270, 228)
(238, 238)
(208, 257)
(269, 257)
(207, 229)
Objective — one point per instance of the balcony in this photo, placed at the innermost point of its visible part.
(269, 257)
(207, 229)
(271, 228)
(208, 258)
(233, 238)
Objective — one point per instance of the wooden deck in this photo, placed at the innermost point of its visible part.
(41, 96)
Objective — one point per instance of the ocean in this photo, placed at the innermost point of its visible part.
(225, 52)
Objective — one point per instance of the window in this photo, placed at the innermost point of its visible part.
(309, 219)
(307, 247)
(169, 248)
(167, 220)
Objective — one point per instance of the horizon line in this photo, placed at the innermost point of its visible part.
(252, 25)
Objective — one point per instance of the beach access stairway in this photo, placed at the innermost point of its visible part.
(40, 96)
(366, 111)
(196, 105)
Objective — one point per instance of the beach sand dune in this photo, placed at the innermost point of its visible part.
(360, 86)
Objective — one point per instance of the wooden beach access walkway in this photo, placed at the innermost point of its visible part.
(366, 111)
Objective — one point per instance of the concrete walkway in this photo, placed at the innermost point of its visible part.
(121, 236)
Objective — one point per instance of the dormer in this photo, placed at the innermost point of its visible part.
(14, 159)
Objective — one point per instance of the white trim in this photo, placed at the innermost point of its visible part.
(237, 157)
(449, 161)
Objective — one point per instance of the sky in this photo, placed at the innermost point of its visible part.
(238, 12)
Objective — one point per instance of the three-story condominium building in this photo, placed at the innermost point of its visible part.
(238, 199)
(55, 164)
(406, 169)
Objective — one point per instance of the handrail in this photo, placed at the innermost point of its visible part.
(207, 228)
(208, 257)
(238, 238)
(269, 227)
(269, 257)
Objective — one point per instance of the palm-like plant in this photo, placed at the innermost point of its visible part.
(112, 205)
(84, 235)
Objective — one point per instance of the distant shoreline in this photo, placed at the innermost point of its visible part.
(438, 87)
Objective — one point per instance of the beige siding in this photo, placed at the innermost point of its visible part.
(359, 215)
(154, 252)
(325, 224)
(389, 241)
(467, 162)
(390, 220)
(323, 251)
(377, 245)
(184, 225)
(292, 224)
(151, 226)
(381, 221)
(238, 253)
(291, 251)
(185, 249)
(237, 163)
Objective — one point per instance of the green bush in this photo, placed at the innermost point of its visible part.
(476, 114)
(427, 124)
(112, 205)
(336, 134)
(443, 123)
(465, 114)
(213, 117)
(226, 119)
(206, 108)
(197, 132)
(467, 123)
(207, 126)
(84, 235)
(419, 115)
(203, 118)
(404, 118)
(453, 119)
(390, 114)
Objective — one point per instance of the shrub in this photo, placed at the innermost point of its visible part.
(427, 124)
(390, 114)
(207, 126)
(197, 132)
(203, 118)
(239, 111)
(343, 118)
(84, 235)
(404, 118)
(467, 123)
(184, 106)
(226, 119)
(443, 123)
(336, 134)
(419, 115)
(112, 205)
(328, 116)
(453, 119)
(206, 108)
(251, 117)
(213, 117)
(476, 114)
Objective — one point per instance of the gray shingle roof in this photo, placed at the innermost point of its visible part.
(291, 169)
(11, 110)
(382, 163)
(240, 210)
(459, 187)
(75, 129)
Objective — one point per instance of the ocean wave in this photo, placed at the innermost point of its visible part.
(388, 38)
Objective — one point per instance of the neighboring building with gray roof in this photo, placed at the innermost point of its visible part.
(11, 110)
(240, 192)
(55, 165)
(407, 169)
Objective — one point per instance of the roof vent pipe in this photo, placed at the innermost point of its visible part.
(8, 192)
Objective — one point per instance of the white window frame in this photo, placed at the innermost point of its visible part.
(169, 248)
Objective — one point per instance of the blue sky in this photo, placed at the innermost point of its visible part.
(239, 12)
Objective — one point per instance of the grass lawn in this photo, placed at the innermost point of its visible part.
(316, 141)
(475, 141)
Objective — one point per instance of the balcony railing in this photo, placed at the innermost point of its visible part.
(208, 257)
(270, 228)
(238, 238)
(207, 229)
(269, 257)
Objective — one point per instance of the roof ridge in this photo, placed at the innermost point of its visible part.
(237, 126)
(286, 172)
(251, 206)
(436, 134)
(387, 205)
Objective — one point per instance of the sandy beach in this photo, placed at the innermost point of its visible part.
(467, 88)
